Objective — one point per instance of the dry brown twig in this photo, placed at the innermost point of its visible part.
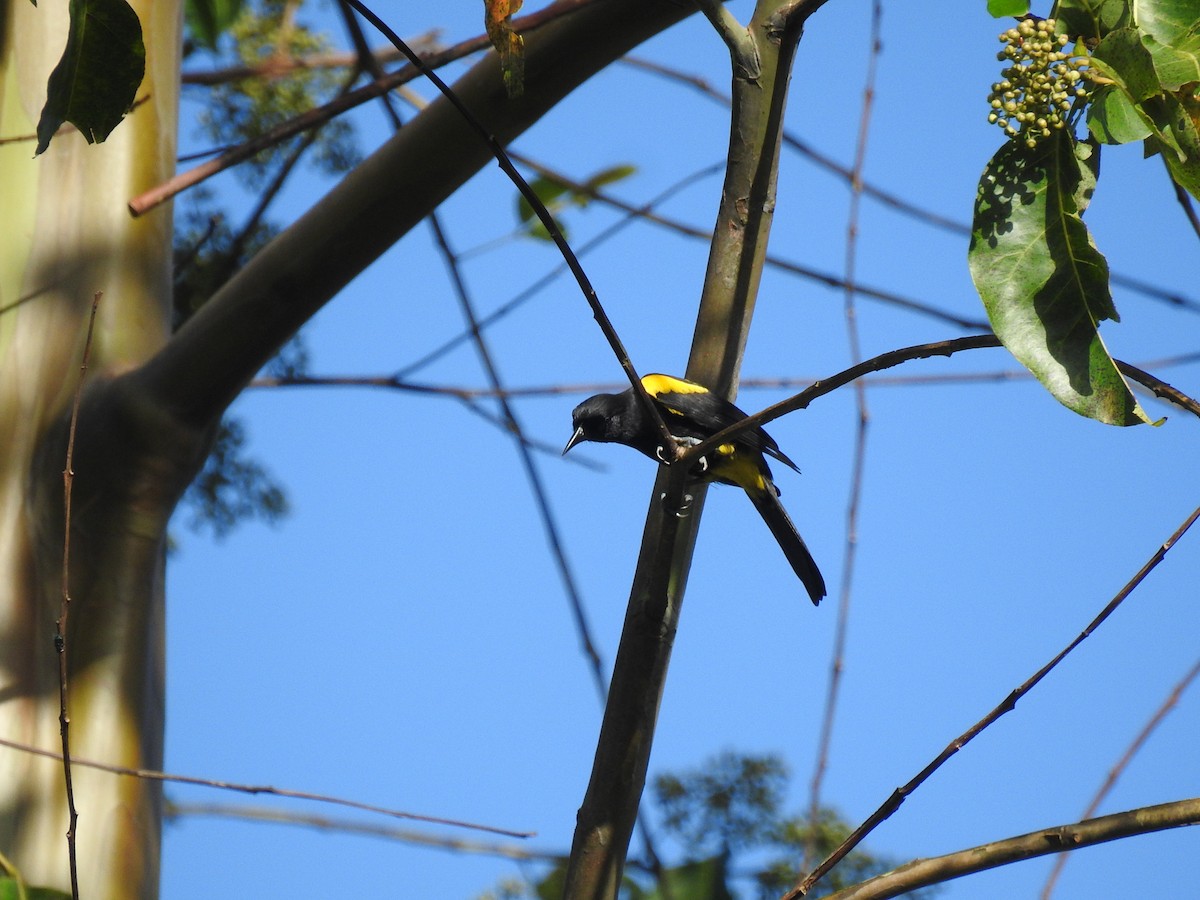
(238, 787)
(60, 625)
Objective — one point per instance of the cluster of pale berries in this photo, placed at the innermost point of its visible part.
(1036, 90)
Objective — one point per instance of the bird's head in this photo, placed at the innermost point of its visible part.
(593, 420)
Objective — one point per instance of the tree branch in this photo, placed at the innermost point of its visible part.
(1007, 705)
(215, 354)
(606, 817)
(924, 872)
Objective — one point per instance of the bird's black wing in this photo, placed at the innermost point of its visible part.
(693, 411)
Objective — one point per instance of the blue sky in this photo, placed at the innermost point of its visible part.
(403, 637)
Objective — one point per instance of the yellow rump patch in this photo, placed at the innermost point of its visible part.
(738, 468)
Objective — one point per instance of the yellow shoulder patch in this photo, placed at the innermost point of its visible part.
(657, 385)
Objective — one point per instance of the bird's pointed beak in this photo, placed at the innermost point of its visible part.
(575, 439)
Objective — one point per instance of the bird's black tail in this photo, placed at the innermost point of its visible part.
(793, 546)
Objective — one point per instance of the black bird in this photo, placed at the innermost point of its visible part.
(692, 413)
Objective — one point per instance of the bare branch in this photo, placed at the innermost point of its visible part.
(177, 810)
(60, 626)
(1123, 763)
(895, 357)
(143, 203)
(837, 665)
(778, 262)
(1009, 703)
(214, 355)
(924, 872)
(154, 775)
(921, 214)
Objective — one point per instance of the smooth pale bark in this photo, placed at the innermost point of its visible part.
(67, 235)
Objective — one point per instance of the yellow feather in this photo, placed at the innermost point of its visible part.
(656, 385)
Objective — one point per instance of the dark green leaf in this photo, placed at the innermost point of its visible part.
(705, 879)
(726, 805)
(1178, 119)
(1091, 19)
(94, 83)
(207, 20)
(1171, 32)
(1123, 56)
(1001, 8)
(1113, 119)
(1115, 115)
(1042, 280)
(8, 891)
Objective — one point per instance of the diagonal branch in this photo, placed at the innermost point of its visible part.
(238, 787)
(216, 353)
(1123, 763)
(1007, 705)
(605, 821)
(925, 872)
(905, 354)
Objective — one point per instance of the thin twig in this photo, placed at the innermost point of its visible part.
(630, 216)
(167, 777)
(804, 149)
(854, 504)
(511, 423)
(237, 246)
(543, 214)
(278, 66)
(745, 384)
(60, 626)
(1185, 201)
(895, 357)
(919, 213)
(532, 474)
(159, 194)
(1123, 763)
(175, 810)
(774, 261)
(1009, 703)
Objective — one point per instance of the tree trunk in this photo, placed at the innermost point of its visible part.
(68, 235)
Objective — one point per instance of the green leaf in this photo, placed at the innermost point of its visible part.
(1091, 19)
(705, 879)
(1171, 32)
(94, 83)
(550, 192)
(207, 20)
(611, 175)
(556, 195)
(1122, 55)
(1178, 119)
(1115, 115)
(1042, 280)
(1113, 119)
(1001, 8)
(9, 891)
